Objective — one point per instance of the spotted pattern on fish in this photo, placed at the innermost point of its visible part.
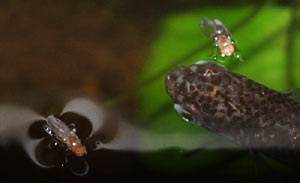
(248, 113)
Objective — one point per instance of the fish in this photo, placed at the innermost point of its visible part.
(247, 113)
(64, 135)
(218, 32)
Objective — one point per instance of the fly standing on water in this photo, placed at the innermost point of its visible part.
(65, 135)
(219, 33)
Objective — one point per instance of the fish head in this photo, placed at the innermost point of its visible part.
(193, 89)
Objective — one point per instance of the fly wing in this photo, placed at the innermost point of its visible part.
(220, 28)
(87, 109)
(208, 27)
(15, 122)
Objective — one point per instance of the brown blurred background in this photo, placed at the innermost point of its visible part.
(52, 50)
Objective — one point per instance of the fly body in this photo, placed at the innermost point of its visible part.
(218, 32)
(65, 135)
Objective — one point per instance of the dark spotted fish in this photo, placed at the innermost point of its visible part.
(248, 113)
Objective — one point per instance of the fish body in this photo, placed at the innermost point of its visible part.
(57, 128)
(244, 111)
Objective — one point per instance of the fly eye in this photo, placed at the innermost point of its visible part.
(78, 152)
(186, 116)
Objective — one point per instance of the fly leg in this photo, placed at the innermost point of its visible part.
(214, 52)
(68, 154)
(48, 130)
(55, 144)
(72, 127)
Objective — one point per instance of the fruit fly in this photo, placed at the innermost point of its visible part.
(248, 113)
(64, 135)
(219, 33)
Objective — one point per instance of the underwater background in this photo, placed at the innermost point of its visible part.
(117, 54)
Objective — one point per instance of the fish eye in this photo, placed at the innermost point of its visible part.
(186, 116)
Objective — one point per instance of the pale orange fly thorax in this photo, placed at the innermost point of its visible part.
(225, 44)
